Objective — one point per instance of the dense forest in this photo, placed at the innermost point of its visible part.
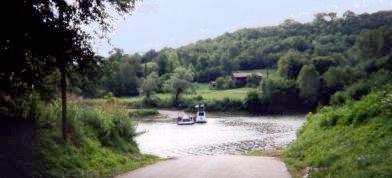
(314, 60)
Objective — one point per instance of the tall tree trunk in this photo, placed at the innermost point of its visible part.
(63, 86)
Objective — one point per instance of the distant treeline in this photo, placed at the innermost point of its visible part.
(314, 59)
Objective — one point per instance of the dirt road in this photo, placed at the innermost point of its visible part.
(232, 166)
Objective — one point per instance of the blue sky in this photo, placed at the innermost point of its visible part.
(172, 23)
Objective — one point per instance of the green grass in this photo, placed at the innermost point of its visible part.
(100, 143)
(200, 90)
(353, 140)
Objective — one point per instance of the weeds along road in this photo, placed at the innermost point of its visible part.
(233, 166)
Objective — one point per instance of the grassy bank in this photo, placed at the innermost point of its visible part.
(100, 145)
(201, 91)
(352, 140)
(216, 100)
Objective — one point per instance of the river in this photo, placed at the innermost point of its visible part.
(219, 136)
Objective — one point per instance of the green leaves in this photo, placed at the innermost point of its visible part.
(309, 84)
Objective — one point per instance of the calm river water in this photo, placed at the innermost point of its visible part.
(223, 135)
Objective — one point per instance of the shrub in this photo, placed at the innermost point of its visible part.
(224, 83)
(280, 96)
(339, 98)
(252, 102)
(358, 90)
(150, 101)
(253, 80)
(337, 78)
(109, 97)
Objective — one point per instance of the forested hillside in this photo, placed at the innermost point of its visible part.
(313, 60)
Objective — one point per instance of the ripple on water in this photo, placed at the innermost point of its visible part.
(228, 135)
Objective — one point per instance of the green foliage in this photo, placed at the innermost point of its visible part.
(375, 44)
(149, 85)
(224, 83)
(326, 42)
(179, 82)
(225, 105)
(279, 96)
(290, 64)
(351, 140)
(110, 98)
(340, 98)
(253, 80)
(150, 102)
(100, 144)
(323, 63)
(338, 77)
(124, 80)
(309, 84)
(252, 102)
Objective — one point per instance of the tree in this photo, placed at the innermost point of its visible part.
(163, 64)
(149, 56)
(149, 85)
(125, 81)
(179, 82)
(279, 96)
(50, 40)
(308, 82)
(338, 77)
(224, 82)
(290, 64)
(323, 63)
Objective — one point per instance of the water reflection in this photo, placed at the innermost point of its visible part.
(226, 135)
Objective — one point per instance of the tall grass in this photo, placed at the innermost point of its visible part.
(351, 140)
(100, 144)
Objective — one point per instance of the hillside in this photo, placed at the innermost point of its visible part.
(353, 140)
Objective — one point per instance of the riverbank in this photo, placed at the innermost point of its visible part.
(349, 140)
(162, 114)
(101, 143)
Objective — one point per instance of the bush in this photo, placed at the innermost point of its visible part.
(359, 89)
(150, 101)
(225, 105)
(224, 83)
(253, 80)
(279, 96)
(340, 98)
(337, 78)
(109, 97)
(252, 102)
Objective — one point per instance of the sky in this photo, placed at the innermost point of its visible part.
(156, 24)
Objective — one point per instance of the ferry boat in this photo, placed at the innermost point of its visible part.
(200, 114)
(185, 120)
